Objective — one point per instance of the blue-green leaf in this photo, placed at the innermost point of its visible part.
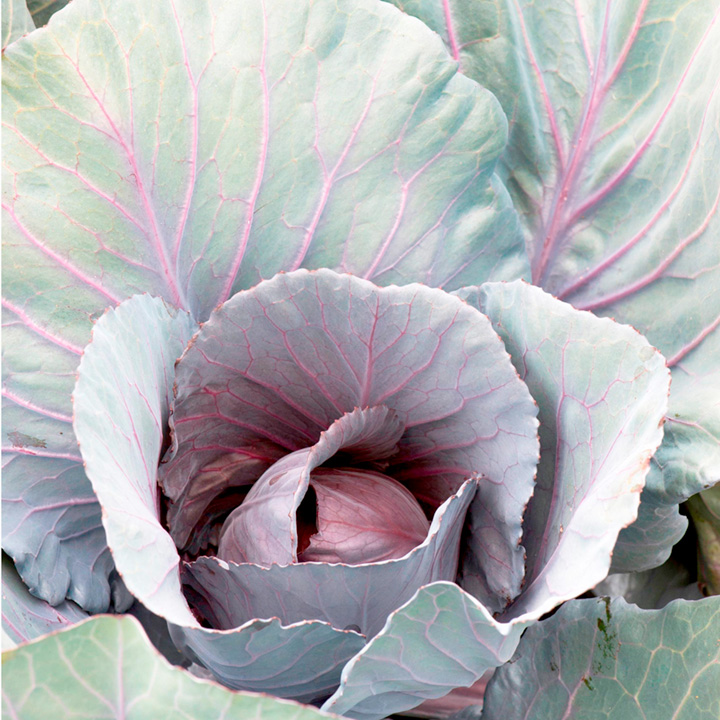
(441, 639)
(25, 617)
(106, 669)
(602, 391)
(601, 659)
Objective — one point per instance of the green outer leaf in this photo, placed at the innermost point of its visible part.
(16, 21)
(613, 147)
(25, 617)
(43, 10)
(612, 163)
(161, 189)
(341, 133)
(602, 659)
(441, 639)
(705, 512)
(602, 393)
(106, 668)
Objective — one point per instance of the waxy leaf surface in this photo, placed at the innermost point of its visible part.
(51, 520)
(647, 543)
(302, 661)
(122, 403)
(147, 150)
(687, 462)
(25, 617)
(612, 164)
(602, 390)
(106, 668)
(607, 659)
(441, 639)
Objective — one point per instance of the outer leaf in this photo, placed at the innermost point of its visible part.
(440, 640)
(647, 543)
(347, 596)
(612, 161)
(106, 668)
(25, 617)
(602, 392)
(147, 150)
(302, 660)
(651, 589)
(51, 521)
(278, 364)
(687, 461)
(602, 659)
(16, 21)
(43, 10)
(121, 408)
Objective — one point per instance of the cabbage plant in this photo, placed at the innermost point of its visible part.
(338, 353)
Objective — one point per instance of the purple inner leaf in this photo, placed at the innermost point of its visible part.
(347, 596)
(263, 529)
(362, 516)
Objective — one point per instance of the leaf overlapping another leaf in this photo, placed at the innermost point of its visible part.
(602, 392)
(42, 10)
(296, 353)
(609, 659)
(26, 617)
(105, 667)
(453, 421)
(146, 150)
(204, 165)
(122, 401)
(612, 164)
(16, 21)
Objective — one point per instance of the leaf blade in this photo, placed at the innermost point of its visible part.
(16, 21)
(602, 390)
(441, 639)
(121, 404)
(107, 667)
(623, 661)
(26, 617)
